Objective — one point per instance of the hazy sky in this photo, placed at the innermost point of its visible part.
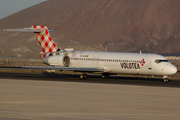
(8, 7)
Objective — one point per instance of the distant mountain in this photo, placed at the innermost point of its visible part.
(151, 26)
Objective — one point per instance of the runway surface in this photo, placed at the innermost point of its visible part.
(29, 96)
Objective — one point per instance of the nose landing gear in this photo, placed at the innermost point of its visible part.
(166, 79)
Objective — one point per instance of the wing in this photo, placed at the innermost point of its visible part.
(64, 68)
(83, 69)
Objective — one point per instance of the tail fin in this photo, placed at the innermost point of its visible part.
(43, 36)
(45, 40)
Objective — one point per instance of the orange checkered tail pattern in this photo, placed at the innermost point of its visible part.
(46, 42)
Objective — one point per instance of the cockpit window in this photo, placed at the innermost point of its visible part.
(159, 61)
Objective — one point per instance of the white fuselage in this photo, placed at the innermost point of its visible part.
(118, 63)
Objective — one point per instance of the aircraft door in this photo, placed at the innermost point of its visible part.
(150, 65)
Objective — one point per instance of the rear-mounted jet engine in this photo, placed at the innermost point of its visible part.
(60, 60)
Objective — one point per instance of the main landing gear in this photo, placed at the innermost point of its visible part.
(83, 76)
(104, 76)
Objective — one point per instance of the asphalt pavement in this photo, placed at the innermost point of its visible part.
(31, 96)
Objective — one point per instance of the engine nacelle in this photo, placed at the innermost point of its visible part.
(59, 60)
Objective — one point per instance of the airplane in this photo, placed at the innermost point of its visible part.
(106, 63)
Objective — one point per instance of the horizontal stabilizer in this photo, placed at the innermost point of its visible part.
(43, 36)
(24, 30)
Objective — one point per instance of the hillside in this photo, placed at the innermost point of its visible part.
(127, 26)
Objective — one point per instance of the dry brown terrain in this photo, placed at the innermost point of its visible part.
(148, 25)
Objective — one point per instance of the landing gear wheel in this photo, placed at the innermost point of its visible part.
(83, 76)
(166, 80)
(104, 76)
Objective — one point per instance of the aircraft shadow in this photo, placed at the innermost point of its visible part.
(91, 79)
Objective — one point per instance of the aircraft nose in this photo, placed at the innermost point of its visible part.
(173, 70)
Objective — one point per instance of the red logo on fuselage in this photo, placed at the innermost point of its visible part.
(142, 62)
